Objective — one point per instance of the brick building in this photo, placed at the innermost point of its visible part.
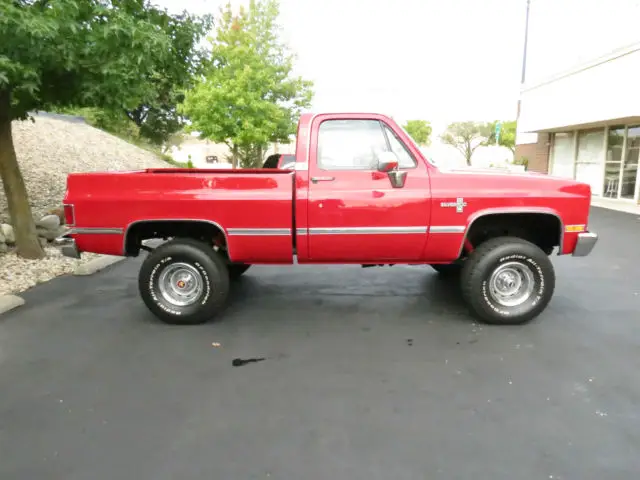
(579, 114)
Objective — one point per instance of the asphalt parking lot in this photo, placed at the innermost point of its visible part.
(367, 374)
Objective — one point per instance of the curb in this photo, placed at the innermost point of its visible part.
(9, 302)
(97, 264)
(609, 205)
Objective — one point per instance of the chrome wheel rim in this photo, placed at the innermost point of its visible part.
(511, 284)
(180, 284)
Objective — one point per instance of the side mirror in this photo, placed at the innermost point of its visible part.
(387, 161)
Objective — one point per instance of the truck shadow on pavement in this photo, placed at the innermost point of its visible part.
(426, 295)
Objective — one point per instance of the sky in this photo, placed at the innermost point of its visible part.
(438, 60)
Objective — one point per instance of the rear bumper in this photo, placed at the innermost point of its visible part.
(584, 245)
(69, 247)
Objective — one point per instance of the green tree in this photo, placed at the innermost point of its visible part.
(60, 53)
(157, 118)
(507, 134)
(420, 131)
(251, 156)
(466, 137)
(248, 96)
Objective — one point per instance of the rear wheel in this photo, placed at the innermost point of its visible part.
(184, 282)
(507, 281)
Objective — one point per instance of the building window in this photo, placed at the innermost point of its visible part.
(621, 168)
(590, 159)
(613, 164)
(562, 159)
(630, 164)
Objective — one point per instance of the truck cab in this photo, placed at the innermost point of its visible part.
(359, 192)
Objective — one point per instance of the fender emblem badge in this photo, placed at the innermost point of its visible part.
(459, 204)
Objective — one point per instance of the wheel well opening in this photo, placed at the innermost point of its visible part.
(165, 229)
(541, 229)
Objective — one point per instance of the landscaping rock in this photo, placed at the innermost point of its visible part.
(58, 212)
(19, 274)
(7, 231)
(50, 235)
(48, 150)
(3, 247)
(49, 222)
(2, 239)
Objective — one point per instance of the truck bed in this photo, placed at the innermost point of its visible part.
(254, 208)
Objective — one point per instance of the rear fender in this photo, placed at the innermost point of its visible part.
(246, 245)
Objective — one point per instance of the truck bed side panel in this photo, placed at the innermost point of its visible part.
(253, 210)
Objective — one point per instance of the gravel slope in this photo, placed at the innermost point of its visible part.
(48, 150)
(18, 274)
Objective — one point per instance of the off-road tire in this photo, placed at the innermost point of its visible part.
(236, 270)
(487, 257)
(205, 261)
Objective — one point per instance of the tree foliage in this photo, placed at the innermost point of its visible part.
(420, 131)
(157, 117)
(466, 137)
(248, 96)
(82, 53)
(507, 136)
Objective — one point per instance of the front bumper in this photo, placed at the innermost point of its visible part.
(69, 247)
(584, 245)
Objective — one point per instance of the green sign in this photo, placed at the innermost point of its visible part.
(498, 130)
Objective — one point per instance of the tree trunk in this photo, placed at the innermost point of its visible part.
(27, 242)
(234, 158)
(258, 161)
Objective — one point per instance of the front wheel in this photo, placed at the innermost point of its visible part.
(184, 282)
(507, 281)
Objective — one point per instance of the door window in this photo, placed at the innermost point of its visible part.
(405, 159)
(350, 144)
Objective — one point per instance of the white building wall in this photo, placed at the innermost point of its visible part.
(582, 81)
(567, 33)
(602, 90)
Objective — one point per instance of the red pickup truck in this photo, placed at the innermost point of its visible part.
(360, 192)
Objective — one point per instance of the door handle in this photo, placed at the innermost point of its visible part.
(322, 179)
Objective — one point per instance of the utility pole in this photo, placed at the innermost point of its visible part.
(524, 71)
(526, 41)
(524, 55)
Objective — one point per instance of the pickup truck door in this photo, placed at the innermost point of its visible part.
(354, 213)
